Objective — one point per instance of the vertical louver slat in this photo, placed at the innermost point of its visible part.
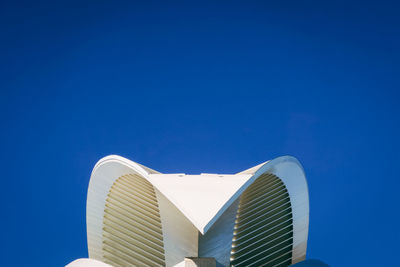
(263, 233)
(132, 233)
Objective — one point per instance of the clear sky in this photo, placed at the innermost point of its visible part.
(200, 87)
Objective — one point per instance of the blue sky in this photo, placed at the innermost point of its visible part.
(200, 87)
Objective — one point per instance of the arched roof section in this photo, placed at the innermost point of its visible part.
(190, 193)
(106, 171)
(290, 171)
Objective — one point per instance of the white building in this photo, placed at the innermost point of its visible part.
(137, 216)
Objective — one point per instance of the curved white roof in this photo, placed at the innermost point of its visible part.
(87, 263)
(201, 198)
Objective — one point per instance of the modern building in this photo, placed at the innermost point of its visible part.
(137, 216)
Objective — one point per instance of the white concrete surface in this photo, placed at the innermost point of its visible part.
(87, 263)
(191, 204)
(201, 198)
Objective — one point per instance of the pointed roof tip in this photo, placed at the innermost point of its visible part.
(201, 198)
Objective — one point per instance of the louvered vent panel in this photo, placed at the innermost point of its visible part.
(132, 234)
(263, 233)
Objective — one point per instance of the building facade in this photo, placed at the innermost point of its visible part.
(137, 216)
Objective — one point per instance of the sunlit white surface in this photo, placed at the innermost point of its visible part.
(191, 204)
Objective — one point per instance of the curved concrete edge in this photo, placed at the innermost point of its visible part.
(110, 168)
(253, 169)
(87, 263)
(291, 172)
(104, 174)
